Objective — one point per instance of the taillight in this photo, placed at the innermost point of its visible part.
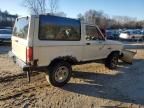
(29, 54)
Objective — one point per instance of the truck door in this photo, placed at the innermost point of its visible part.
(94, 43)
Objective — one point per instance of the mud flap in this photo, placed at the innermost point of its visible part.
(29, 74)
(128, 56)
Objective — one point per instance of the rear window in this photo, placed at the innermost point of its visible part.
(5, 31)
(58, 28)
(21, 28)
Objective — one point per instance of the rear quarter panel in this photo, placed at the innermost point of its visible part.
(46, 54)
(45, 51)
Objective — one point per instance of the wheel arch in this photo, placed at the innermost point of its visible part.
(71, 60)
(115, 51)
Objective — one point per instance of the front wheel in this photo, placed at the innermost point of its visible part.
(112, 60)
(59, 74)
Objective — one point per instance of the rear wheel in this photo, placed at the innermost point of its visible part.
(112, 60)
(59, 74)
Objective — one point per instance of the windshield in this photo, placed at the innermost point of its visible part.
(5, 31)
(21, 28)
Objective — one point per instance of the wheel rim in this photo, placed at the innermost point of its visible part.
(61, 74)
(114, 61)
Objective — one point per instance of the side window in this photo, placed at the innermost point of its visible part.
(59, 30)
(92, 33)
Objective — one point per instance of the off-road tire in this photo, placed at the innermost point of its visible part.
(112, 60)
(51, 78)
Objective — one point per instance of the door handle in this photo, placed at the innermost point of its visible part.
(87, 43)
(100, 42)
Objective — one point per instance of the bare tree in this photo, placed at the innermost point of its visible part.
(81, 17)
(41, 6)
(53, 4)
(36, 6)
(104, 21)
(95, 17)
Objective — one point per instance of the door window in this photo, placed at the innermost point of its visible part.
(92, 33)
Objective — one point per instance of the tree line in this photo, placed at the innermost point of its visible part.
(99, 18)
(6, 19)
(91, 16)
(104, 21)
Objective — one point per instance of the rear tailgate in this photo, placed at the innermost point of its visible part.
(20, 38)
(19, 48)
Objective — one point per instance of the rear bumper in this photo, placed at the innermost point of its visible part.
(19, 62)
(23, 65)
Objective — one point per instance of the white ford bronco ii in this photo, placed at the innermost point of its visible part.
(57, 43)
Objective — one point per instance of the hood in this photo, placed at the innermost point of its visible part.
(115, 43)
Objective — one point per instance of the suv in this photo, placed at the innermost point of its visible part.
(56, 43)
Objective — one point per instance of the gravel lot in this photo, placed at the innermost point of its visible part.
(91, 86)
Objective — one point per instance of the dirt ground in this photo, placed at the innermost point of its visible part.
(91, 86)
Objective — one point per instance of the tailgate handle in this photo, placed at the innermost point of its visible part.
(16, 40)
